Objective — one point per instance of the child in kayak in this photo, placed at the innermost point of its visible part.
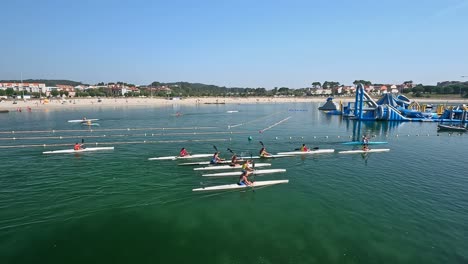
(234, 161)
(264, 153)
(246, 168)
(183, 153)
(216, 159)
(243, 179)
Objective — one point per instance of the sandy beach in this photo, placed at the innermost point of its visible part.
(37, 104)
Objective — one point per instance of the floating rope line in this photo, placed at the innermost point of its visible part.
(105, 130)
(119, 143)
(275, 124)
(127, 135)
(255, 120)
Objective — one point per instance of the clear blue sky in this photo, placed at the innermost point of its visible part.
(243, 43)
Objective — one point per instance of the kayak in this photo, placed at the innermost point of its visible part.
(76, 151)
(81, 120)
(227, 167)
(194, 156)
(363, 151)
(92, 124)
(267, 157)
(237, 186)
(361, 143)
(207, 163)
(317, 151)
(239, 173)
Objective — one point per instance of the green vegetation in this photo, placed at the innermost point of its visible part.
(450, 89)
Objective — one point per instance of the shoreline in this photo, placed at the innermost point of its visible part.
(35, 104)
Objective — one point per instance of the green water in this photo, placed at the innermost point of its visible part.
(409, 205)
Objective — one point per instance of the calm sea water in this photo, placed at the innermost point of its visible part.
(409, 205)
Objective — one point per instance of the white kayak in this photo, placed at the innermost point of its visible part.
(205, 163)
(77, 151)
(316, 151)
(237, 186)
(82, 120)
(357, 151)
(194, 156)
(239, 173)
(92, 124)
(267, 157)
(227, 167)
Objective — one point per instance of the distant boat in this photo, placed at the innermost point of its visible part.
(460, 128)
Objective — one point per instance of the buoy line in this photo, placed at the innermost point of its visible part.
(104, 130)
(126, 135)
(119, 143)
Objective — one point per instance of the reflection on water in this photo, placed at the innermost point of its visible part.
(373, 128)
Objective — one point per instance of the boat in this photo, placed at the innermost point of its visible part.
(91, 124)
(460, 128)
(194, 156)
(81, 120)
(77, 151)
(239, 173)
(361, 143)
(227, 167)
(267, 157)
(237, 186)
(4, 111)
(207, 163)
(357, 151)
(316, 151)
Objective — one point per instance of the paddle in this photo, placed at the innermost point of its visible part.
(253, 168)
(312, 148)
(82, 144)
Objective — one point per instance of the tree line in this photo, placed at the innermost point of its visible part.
(185, 89)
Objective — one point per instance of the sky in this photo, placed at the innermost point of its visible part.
(238, 43)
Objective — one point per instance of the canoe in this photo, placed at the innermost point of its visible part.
(227, 167)
(239, 173)
(194, 156)
(81, 120)
(363, 151)
(317, 151)
(361, 143)
(77, 151)
(237, 186)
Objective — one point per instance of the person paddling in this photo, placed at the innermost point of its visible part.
(304, 148)
(246, 167)
(234, 160)
(264, 153)
(243, 180)
(77, 146)
(216, 159)
(183, 153)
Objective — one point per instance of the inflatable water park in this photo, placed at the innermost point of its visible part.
(392, 107)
